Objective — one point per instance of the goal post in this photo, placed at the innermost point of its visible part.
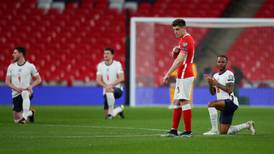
(145, 42)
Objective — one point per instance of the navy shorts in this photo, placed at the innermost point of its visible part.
(226, 115)
(17, 103)
(117, 94)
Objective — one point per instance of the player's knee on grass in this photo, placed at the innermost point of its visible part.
(224, 129)
(17, 116)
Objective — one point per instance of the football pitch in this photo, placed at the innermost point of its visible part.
(82, 129)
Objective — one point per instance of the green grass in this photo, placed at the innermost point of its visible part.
(84, 130)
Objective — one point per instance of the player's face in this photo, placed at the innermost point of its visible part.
(221, 63)
(178, 31)
(107, 55)
(16, 55)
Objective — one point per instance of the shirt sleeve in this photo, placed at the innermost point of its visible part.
(214, 76)
(120, 68)
(34, 71)
(99, 70)
(230, 78)
(186, 45)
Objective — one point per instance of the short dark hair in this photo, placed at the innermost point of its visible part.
(109, 49)
(223, 56)
(179, 22)
(21, 50)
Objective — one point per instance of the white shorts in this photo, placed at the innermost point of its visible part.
(183, 88)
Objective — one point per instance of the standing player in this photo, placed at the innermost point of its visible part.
(19, 79)
(222, 84)
(183, 54)
(110, 75)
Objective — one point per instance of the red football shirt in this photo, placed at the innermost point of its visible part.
(186, 45)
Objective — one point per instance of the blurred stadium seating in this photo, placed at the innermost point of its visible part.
(64, 46)
(252, 50)
(67, 45)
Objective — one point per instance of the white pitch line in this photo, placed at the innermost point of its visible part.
(104, 127)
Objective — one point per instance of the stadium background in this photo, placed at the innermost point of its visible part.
(65, 38)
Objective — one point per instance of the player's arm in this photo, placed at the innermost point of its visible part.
(120, 79)
(9, 84)
(37, 80)
(99, 80)
(212, 88)
(180, 58)
(229, 87)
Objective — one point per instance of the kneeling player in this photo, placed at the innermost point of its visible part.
(110, 75)
(19, 79)
(222, 84)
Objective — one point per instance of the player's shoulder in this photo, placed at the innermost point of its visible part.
(116, 62)
(101, 64)
(216, 74)
(228, 72)
(29, 63)
(12, 65)
(188, 37)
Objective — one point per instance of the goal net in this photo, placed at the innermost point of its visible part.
(245, 41)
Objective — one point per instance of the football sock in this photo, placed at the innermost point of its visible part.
(177, 113)
(111, 101)
(26, 104)
(213, 118)
(187, 115)
(116, 111)
(236, 128)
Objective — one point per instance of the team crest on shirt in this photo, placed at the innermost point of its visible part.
(184, 44)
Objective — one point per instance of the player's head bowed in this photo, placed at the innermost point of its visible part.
(178, 26)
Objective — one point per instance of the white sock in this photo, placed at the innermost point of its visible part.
(111, 101)
(116, 111)
(213, 118)
(235, 129)
(26, 104)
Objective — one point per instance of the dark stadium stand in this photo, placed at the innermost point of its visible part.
(253, 50)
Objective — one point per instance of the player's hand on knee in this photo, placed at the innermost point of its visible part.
(19, 90)
(109, 88)
(30, 90)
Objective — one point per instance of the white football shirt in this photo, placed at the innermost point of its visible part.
(110, 72)
(225, 78)
(21, 75)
